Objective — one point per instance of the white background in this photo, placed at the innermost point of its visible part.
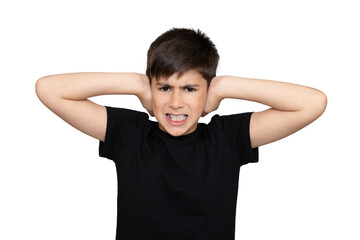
(54, 186)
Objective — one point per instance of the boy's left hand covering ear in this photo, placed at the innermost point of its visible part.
(213, 99)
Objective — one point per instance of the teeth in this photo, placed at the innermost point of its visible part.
(178, 118)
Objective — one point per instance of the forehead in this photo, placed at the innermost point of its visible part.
(189, 77)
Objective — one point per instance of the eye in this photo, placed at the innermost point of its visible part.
(164, 89)
(190, 89)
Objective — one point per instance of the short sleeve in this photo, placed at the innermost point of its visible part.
(236, 129)
(121, 124)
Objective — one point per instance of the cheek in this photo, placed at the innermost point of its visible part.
(200, 102)
(157, 103)
(203, 98)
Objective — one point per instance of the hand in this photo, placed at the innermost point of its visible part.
(145, 94)
(213, 96)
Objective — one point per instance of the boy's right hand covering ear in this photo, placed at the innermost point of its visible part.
(213, 98)
(145, 95)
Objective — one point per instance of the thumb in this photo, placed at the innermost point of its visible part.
(204, 114)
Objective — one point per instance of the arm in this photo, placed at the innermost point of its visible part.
(292, 106)
(66, 95)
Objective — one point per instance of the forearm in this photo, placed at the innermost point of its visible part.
(278, 95)
(80, 86)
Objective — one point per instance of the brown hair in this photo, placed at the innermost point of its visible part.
(179, 50)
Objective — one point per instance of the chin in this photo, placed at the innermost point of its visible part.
(177, 129)
(176, 132)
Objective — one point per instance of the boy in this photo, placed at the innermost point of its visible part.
(177, 178)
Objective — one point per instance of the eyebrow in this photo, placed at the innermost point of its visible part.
(185, 86)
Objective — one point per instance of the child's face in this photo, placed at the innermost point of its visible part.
(177, 104)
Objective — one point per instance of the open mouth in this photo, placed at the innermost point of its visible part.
(176, 118)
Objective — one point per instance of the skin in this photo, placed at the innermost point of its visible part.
(291, 106)
(178, 96)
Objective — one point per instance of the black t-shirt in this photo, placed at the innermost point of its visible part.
(176, 188)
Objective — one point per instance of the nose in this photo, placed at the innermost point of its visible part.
(176, 100)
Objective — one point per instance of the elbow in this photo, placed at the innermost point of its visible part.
(40, 86)
(314, 107)
(43, 88)
(322, 102)
(318, 104)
